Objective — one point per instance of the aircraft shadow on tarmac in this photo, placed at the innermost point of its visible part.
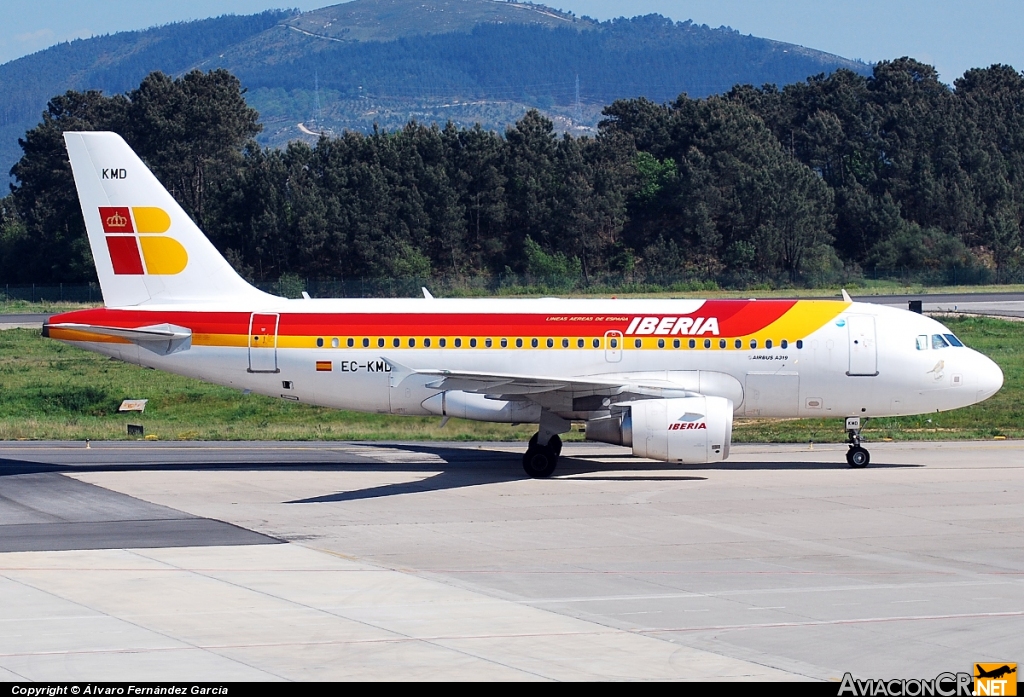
(444, 467)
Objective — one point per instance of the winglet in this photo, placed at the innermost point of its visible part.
(846, 296)
(426, 293)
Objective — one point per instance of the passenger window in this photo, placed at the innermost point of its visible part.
(351, 342)
(472, 343)
(738, 343)
(579, 343)
(953, 340)
(380, 342)
(334, 342)
(426, 342)
(396, 342)
(504, 342)
(488, 343)
(458, 343)
(707, 343)
(721, 343)
(661, 343)
(565, 343)
(615, 343)
(366, 342)
(551, 343)
(938, 342)
(692, 343)
(519, 343)
(533, 343)
(784, 344)
(799, 343)
(753, 343)
(638, 343)
(442, 342)
(412, 343)
(767, 343)
(597, 343)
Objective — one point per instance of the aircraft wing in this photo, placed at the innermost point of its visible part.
(558, 393)
(511, 383)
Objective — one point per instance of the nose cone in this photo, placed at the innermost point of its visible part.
(990, 377)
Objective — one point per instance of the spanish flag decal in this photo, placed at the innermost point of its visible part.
(324, 366)
(137, 244)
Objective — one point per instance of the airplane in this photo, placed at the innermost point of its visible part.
(995, 673)
(664, 377)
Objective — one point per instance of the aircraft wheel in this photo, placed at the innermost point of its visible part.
(857, 457)
(539, 462)
(555, 445)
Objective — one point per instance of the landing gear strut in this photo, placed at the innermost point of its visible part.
(542, 454)
(857, 456)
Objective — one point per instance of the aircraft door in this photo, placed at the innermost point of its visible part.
(863, 347)
(263, 342)
(613, 346)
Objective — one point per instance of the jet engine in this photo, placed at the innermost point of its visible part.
(688, 430)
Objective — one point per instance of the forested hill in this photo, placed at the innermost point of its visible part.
(114, 63)
(385, 62)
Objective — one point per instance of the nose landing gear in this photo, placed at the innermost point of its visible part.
(857, 456)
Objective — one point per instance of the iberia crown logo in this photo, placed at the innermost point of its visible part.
(141, 248)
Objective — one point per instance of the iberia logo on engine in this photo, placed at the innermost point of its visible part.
(137, 244)
(688, 422)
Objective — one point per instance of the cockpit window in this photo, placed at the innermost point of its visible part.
(938, 342)
(922, 342)
(953, 340)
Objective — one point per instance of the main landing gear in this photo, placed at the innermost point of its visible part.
(857, 456)
(540, 460)
(542, 454)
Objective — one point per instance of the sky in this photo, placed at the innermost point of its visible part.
(952, 35)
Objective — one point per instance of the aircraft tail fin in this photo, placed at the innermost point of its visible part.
(146, 248)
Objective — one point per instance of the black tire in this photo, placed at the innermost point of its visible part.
(857, 457)
(555, 445)
(539, 462)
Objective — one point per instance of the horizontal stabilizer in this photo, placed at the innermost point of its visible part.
(159, 338)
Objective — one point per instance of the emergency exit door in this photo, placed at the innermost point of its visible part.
(613, 346)
(263, 342)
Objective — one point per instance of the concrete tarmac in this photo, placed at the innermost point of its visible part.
(314, 561)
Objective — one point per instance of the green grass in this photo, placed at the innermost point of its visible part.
(52, 391)
(49, 390)
(18, 307)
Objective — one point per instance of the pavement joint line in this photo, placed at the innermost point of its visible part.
(766, 591)
(400, 639)
(823, 623)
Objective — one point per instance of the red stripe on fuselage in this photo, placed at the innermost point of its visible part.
(735, 318)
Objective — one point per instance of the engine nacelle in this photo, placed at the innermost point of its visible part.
(689, 430)
(469, 405)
